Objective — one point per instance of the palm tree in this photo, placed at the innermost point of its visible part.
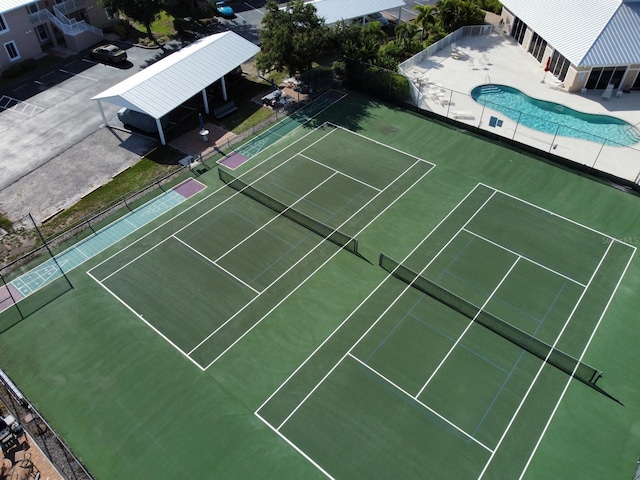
(373, 31)
(426, 17)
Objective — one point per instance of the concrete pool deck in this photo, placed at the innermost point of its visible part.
(445, 82)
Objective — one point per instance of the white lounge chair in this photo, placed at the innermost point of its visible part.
(463, 115)
(607, 92)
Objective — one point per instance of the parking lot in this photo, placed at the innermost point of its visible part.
(44, 120)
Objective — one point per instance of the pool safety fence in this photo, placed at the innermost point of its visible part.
(602, 154)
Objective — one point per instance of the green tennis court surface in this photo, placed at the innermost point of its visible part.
(372, 296)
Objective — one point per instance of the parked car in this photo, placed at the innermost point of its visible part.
(109, 53)
(141, 121)
(224, 10)
(373, 17)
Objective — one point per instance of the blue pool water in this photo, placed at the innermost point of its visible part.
(550, 117)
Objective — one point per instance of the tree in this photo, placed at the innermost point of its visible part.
(142, 11)
(290, 39)
(453, 14)
(426, 18)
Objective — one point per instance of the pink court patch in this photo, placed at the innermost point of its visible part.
(234, 160)
(8, 296)
(189, 187)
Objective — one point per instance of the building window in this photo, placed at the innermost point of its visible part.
(12, 51)
(33, 7)
(601, 77)
(43, 34)
(3, 25)
(537, 47)
(559, 66)
(518, 30)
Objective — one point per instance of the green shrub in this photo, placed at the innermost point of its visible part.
(490, 5)
(378, 82)
(122, 29)
(13, 71)
(29, 64)
(339, 67)
(5, 223)
(317, 76)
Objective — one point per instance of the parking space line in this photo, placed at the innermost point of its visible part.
(251, 6)
(77, 75)
(18, 106)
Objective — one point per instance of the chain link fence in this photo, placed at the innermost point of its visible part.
(51, 444)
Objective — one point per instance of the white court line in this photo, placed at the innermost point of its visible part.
(214, 192)
(424, 405)
(371, 294)
(556, 215)
(384, 145)
(340, 172)
(543, 364)
(274, 219)
(358, 307)
(212, 262)
(179, 214)
(522, 256)
(473, 320)
(311, 274)
(291, 444)
(142, 318)
(584, 351)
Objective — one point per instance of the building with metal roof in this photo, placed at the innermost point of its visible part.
(166, 84)
(333, 11)
(585, 44)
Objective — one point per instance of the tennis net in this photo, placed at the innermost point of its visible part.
(331, 234)
(540, 349)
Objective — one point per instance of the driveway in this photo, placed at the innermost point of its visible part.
(46, 116)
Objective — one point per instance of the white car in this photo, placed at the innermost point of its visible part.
(373, 17)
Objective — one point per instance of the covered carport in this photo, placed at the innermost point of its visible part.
(334, 11)
(168, 83)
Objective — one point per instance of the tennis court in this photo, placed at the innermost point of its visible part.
(457, 390)
(369, 295)
(239, 257)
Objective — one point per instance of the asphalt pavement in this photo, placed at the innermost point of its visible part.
(44, 119)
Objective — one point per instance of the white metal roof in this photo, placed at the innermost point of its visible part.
(8, 5)
(166, 84)
(336, 10)
(576, 27)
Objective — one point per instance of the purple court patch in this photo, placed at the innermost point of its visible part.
(8, 296)
(234, 160)
(189, 187)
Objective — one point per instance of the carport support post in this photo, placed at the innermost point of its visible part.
(161, 132)
(205, 100)
(104, 119)
(399, 14)
(224, 88)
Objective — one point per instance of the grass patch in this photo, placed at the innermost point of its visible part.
(5, 223)
(161, 161)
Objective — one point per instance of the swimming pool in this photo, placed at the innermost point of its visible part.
(548, 117)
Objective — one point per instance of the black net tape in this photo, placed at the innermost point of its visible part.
(331, 234)
(540, 349)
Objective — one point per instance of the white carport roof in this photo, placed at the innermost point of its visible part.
(337, 10)
(168, 83)
(8, 5)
